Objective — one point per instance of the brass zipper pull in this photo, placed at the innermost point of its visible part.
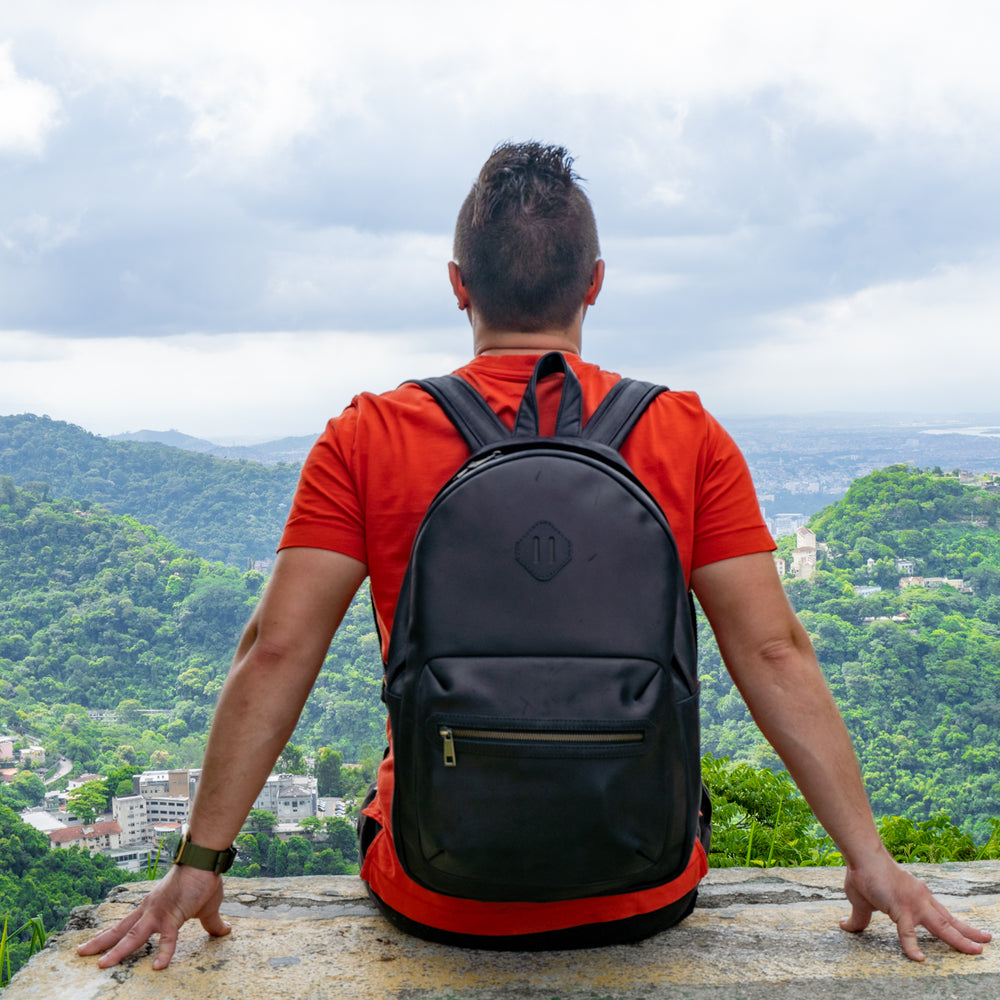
(449, 746)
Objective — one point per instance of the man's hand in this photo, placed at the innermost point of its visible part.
(184, 893)
(886, 886)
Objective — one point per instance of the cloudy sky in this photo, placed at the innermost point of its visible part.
(228, 217)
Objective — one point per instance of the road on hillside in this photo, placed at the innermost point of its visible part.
(63, 768)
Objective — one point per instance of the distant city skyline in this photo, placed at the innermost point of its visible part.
(228, 219)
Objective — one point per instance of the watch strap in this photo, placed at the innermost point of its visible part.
(190, 853)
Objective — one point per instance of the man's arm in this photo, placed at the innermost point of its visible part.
(276, 663)
(771, 660)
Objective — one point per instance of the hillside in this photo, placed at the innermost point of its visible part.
(115, 640)
(222, 509)
(101, 613)
(96, 609)
(916, 671)
(290, 449)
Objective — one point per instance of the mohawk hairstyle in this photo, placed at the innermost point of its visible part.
(526, 240)
(537, 175)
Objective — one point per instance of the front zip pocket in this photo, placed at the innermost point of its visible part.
(551, 739)
(542, 778)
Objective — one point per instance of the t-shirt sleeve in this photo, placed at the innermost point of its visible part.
(327, 512)
(728, 521)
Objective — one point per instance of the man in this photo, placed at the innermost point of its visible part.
(526, 269)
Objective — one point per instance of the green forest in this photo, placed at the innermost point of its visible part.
(915, 671)
(114, 642)
(124, 587)
(223, 509)
(44, 885)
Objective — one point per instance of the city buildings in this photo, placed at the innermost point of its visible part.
(160, 805)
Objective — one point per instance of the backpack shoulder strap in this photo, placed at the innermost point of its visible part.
(619, 411)
(466, 409)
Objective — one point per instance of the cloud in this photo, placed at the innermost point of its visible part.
(239, 170)
(224, 388)
(927, 345)
(30, 109)
(255, 77)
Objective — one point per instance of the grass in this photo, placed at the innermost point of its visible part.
(37, 942)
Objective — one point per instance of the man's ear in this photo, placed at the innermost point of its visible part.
(595, 282)
(457, 285)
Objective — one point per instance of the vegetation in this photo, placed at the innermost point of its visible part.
(36, 941)
(327, 847)
(916, 671)
(39, 887)
(759, 819)
(114, 643)
(223, 509)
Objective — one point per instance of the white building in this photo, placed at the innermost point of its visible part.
(787, 524)
(804, 556)
(138, 858)
(42, 819)
(290, 797)
(177, 784)
(164, 809)
(130, 814)
(74, 783)
(33, 757)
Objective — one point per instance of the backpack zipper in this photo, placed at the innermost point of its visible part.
(449, 734)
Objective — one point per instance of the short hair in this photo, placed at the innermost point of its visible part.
(526, 239)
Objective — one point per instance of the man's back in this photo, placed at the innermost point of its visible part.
(376, 469)
(365, 490)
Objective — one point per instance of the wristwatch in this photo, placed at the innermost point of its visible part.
(190, 853)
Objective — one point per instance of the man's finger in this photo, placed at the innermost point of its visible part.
(908, 939)
(210, 918)
(215, 925)
(140, 933)
(168, 943)
(860, 918)
(960, 935)
(110, 936)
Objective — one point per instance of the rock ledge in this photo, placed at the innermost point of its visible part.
(756, 933)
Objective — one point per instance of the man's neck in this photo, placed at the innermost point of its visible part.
(494, 342)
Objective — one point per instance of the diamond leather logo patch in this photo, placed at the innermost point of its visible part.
(543, 550)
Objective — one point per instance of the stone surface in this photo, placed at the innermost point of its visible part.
(755, 934)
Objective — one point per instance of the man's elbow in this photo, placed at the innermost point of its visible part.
(784, 649)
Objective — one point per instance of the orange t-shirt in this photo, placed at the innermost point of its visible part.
(365, 488)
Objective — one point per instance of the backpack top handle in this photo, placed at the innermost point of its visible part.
(569, 419)
(480, 427)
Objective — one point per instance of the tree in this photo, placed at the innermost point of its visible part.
(300, 854)
(88, 801)
(329, 779)
(292, 760)
(29, 787)
(342, 836)
(128, 711)
(328, 862)
(261, 821)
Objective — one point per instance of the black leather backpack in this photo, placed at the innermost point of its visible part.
(541, 678)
